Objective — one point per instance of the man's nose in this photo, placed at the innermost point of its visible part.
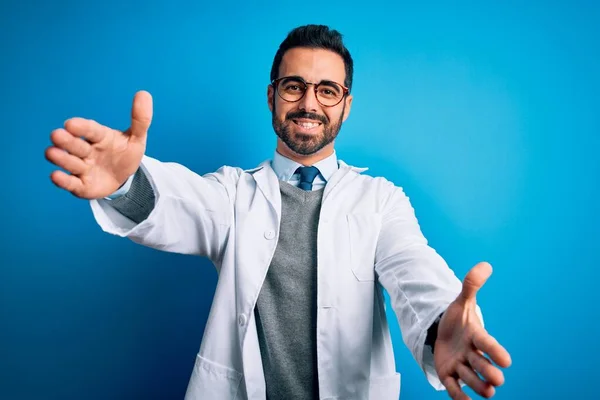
(309, 102)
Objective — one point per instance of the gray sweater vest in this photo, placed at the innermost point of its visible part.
(286, 307)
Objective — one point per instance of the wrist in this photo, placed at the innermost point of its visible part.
(122, 190)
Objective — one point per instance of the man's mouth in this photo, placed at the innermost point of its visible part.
(307, 125)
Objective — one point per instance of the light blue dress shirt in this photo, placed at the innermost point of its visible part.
(285, 169)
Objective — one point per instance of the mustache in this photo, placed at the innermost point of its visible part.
(307, 115)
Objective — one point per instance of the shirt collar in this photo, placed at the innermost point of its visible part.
(284, 167)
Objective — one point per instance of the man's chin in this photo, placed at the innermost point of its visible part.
(304, 135)
(306, 140)
(301, 143)
(306, 148)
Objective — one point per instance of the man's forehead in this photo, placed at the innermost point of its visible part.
(314, 65)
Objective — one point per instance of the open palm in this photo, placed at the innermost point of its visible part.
(98, 159)
(462, 343)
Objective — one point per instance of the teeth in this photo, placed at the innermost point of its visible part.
(308, 125)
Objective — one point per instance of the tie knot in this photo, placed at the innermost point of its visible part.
(307, 176)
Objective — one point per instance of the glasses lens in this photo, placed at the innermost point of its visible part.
(291, 89)
(329, 93)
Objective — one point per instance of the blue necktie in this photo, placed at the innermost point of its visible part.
(307, 176)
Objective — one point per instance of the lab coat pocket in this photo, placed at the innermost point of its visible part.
(213, 381)
(385, 388)
(363, 230)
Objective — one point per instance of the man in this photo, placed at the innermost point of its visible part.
(304, 245)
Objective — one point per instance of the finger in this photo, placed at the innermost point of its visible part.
(141, 115)
(474, 280)
(76, 146)
(92, 131)
(490, 346)
(454, 390)
(69, 162)
(68, 182)
(485, 368)
(468, 376)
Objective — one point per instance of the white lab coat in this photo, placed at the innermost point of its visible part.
(368, 239)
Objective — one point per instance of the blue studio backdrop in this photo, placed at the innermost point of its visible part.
(486, 114)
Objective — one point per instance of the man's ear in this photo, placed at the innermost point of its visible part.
(270, 97)
(348, 101)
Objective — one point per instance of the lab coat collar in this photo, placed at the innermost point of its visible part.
(341, 163)
(268, 183)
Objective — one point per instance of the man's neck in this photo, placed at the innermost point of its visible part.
(306, 160)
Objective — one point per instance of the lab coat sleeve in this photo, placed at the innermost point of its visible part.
(192, 213)
(420, 283)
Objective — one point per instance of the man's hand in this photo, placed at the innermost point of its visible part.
(462, 344)
(99, 159)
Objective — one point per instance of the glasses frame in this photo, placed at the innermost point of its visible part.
(275, 83)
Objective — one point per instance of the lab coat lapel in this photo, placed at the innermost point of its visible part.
(260, 229)
(268, 184)
(344, 174)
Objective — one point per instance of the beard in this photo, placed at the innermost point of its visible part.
(301, 143)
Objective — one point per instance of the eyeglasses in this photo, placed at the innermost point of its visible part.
(293, 88)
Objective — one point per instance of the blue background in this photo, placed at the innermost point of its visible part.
(486, 114)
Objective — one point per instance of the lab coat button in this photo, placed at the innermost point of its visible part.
(269, 234)
(242, 320)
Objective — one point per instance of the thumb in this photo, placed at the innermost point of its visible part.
(141, 115)
(474, 280)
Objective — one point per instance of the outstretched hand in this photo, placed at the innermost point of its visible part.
(98, 159)
(462, 344)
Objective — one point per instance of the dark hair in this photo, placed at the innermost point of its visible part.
(315, 37)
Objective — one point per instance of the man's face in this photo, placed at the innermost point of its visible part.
(306, 127)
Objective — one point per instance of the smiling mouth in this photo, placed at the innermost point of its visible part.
(307, 125)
